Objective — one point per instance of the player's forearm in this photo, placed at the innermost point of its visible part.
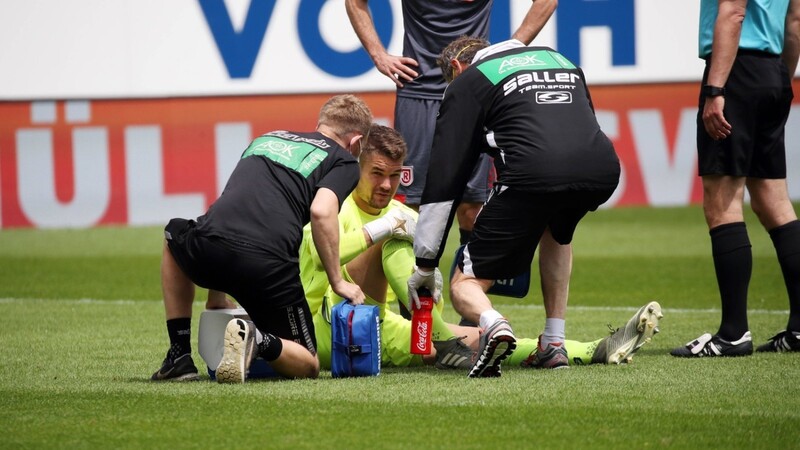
(535, 19)
(791, 42)
(351, 245)
(325, 232)
(327, 244)
(363, 25)
(727, 30)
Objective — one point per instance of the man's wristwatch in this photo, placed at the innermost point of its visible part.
(713, 91)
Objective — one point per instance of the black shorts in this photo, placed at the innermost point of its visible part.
(509, 227)
(757, 103)
(266, 286)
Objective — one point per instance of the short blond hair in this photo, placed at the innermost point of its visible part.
(345, 114)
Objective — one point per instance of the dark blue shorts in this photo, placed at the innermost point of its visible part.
(415, 120)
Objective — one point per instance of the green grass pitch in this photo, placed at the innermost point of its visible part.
(82, 329)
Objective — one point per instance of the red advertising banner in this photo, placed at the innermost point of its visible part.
(141, 162)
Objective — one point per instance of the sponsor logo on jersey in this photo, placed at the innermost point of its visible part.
(278, 149)
(497, 69)
(524, 61)
(407, 176)
(301, 156)
(321, 143)
(545, 80)
(553, 97)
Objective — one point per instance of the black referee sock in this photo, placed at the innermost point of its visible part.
(733, 264)
(270, 347)
(786, 239)
(180, 333)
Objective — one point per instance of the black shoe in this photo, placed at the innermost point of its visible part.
(785, 341)
(708, 345)
(181, 369)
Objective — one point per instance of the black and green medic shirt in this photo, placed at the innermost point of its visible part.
(267, 199)
(530, 109)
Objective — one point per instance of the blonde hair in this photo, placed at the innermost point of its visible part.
(463, 50)
(345, 114)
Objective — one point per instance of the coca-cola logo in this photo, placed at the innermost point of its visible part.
(422, 332)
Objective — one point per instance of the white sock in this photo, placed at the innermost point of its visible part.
(553, 332)
(489, 317)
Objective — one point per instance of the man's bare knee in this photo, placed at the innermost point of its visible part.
(770, 202)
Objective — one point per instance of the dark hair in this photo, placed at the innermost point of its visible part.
(385, 141)
(463, 49)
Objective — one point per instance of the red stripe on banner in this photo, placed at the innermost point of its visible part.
(53, 169)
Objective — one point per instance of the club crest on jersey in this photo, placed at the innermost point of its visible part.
(407, 175)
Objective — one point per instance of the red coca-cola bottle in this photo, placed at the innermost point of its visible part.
(422, 323)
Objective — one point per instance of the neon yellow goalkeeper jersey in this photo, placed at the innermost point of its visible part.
(351, 244)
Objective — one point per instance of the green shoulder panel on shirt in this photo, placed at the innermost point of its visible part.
(499, 68)
(298, 156)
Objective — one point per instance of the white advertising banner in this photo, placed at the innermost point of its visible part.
(58, 49)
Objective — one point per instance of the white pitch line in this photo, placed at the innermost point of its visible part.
(634, 308)
(72, 301)
(93, 301)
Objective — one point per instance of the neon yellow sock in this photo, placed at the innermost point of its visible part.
(579, 352)
(398, 264)
(526, 348)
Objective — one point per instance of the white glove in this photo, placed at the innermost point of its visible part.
(396, 222)
(431, 279)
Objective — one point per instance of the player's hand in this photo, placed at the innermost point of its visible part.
(349, 291)
(399, 69)
(714, 120)
(396, 223)
(425, 277)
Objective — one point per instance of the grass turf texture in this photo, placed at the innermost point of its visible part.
(83, 328)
